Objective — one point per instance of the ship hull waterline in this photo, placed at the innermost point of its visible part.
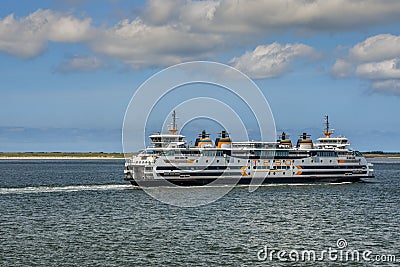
(246, 181)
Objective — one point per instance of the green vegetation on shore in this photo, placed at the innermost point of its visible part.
(61, 155)
(380, 154)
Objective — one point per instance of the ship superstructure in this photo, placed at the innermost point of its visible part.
(169, 159)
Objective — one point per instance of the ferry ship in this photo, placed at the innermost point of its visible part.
(170, 161)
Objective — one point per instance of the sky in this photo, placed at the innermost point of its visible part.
(68, 68)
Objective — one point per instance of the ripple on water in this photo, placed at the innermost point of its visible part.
(101, 221)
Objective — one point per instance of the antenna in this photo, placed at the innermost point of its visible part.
(326, 123)
(174, 127)
(283, 136)
(327, 132)
(304, 136)
(204, 134)
(223, 134)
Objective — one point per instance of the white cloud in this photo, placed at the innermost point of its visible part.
(168, 32)
(133, 42)
(162, 11)
(388, 69)
(267, 61)
(243, 16)
(391, 87)
(67, 29)
(80, 63)
(376, 59)
(28, 36)
(376, 48)
(342, 68)
(18, 39)
(142, 45)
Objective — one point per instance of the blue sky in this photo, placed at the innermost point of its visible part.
(70, 67)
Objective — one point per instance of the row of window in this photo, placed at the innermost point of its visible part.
(214, 153)
(273, 168)
(326, 154)
(262, 153)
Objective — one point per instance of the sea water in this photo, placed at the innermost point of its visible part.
(82, 213)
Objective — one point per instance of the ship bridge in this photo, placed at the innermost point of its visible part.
(329, 142)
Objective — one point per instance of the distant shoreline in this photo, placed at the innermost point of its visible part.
(103, 155)
(60, 155)
(382, 155)
(55, 158)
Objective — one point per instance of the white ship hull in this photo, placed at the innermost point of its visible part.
(147, 170)
(170, 161)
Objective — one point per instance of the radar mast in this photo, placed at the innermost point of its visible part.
(173, 128)
(327, 132)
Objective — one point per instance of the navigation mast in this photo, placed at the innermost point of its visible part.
(327, 132)
(173, 128)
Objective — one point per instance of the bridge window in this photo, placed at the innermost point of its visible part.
(279, 153)
(209, 153)
(170, 153)
(326, 154)
(219, 153)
